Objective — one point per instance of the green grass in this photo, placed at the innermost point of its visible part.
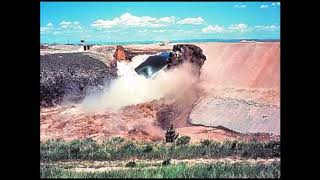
(119, 149)
(217, 170)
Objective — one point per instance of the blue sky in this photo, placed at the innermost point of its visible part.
(61, 22)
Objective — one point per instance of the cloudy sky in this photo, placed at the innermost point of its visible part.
(148, 21)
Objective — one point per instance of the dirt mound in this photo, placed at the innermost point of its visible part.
(122, 54)
(71, 122)
(128, 52)
(68, 76)
(103, 49)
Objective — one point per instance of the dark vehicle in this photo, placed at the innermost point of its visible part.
(153, 64)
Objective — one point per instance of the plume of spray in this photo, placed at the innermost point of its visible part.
(131, 88)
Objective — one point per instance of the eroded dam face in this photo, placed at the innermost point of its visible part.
(242, 65)
(241, 84)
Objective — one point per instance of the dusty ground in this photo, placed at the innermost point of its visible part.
(138, 122)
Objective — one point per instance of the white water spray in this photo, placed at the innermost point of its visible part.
(131, 88)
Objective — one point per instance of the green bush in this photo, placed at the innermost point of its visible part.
(183, 140)
(147, 148)
(128, 146)
(205, 142)
(131, 164)
(117, 140)
(166, 162)
(171, 135)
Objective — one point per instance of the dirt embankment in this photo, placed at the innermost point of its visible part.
(240, 85)
(241, 65)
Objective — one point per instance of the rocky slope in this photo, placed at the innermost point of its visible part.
(183, 53)
(68, 76)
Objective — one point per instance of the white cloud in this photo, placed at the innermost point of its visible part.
(56, 32)
(86, 36)
(168, 20)
(267, 27)
(129, 20)
(64, 24)
(239, 27)
(64, 27)
(188, 31)
(240, 6)
(275, 4)
(144, 30)
(160, 30)
(70, 25)
(194, 21)
(232, 28)
(213, 29)
(264, 6)
(46, 29)
(271, 5)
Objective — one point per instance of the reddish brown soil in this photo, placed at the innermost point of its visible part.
(137, 122)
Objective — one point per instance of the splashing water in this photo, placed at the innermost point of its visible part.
(131, 88)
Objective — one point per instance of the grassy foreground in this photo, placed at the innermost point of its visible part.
(120, 149)
(217, 170)
(53, 152)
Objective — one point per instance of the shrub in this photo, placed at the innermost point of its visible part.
(88, 141)
(205, 142)
(74, 149)
(128, 146)
(166, 162)
(127, 150)
(171, 135)
(147, 148)
(131, 164)
(117, 140)
(183, 140)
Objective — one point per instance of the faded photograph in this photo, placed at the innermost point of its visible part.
(160, 89)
